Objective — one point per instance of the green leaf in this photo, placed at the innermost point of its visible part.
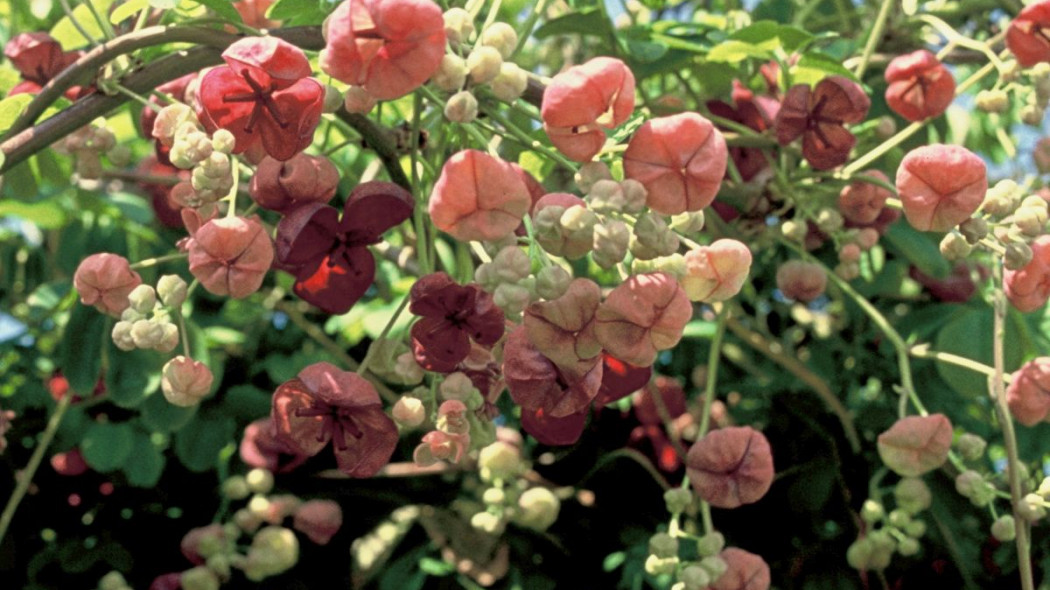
(969, 335)
(12, 107)
(223, 8)
(44, 214)
(198, 444)
(613, 561)
(145, 466)
(160, 416)
(436, 567)
(127, 10)
(918, 248)
(132, 207)
(299, 12)
(590, 21)
(80, 351)
(763, 32)
(814, 67)
(132, 376)
(733, 51)
(107, 446)
(66, 33)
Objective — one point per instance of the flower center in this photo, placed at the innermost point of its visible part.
(338, 422)
(263, 99)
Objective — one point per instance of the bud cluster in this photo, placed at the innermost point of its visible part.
(509, 278)
(507, 497)
(896, 531)
(208, 158)
(147, 323)
(1008, 215)
(458, 427)
(485, 64)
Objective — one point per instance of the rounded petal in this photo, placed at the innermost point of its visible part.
(282, 186)
(338, 283)
(642, 316)
(534, 382)
(1029, 287)
(268, 60)
(680, 159)
(1025, 37)
(231, 255)
(563, 329)
(305, 435)
(731, 467)
(105, 281)
(365, 456)
(915, 445)
(478, 197)
(941, 186)
(862, 202)
(801, 281)
(291, 129)
(375, 207)
(919, 86)
(716, 272)
(1029, 392)
(620, 379)
(553, 431)
(745, 571)
(584, 99)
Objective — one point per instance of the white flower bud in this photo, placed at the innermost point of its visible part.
(121, 335)
(590, 173)
(451, 74)
(172, 290)
(223, 141)
(409, 412)
(511, 82)
(484, 64)
(462, 107)
(142, 299)
(538, 509)
(169, 338)
(502, 37)
(459, 25)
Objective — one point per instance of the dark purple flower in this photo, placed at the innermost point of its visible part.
(452, 316)
(329, 256)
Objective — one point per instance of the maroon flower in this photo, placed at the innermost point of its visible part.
(263, 96)
(537, 383)
(554, 431)
(39, 58)
(329, 256)
(757, 112)
(325, 404)
(819, 116)
(730, 467)
(620, 379)
(452, 316)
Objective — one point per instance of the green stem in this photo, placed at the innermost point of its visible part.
(924, 352)
(26, 477)
(1002, 409)
(714, 358)
(149, 262)
(873, 37)
(382, 335)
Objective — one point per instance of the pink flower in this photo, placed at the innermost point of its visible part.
(478, 197)
(263, 96)
(283, 186)
(731, 467)
(230, 256)
(185, 381)
(716, 272)
(757, 112)
(680, 159)
(329, 256)
(325, 404)
(561, 242)
(1029, 287)
(745, 571)
(453, 315)
(819, 116)
(437, 446)
(915, 445)
(801, 281)
(919, 86)
(105, 280)
(642, 316)
(319, 520)
(261, 448)
(390, 47)
(1029, 392)
(583, 101)
(940, 186)
(563, 329)
(1027, 36)
(862, 202)
(39, 58)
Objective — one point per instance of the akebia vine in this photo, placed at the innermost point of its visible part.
(457, 289)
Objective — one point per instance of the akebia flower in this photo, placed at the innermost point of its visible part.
(478, 197)
(325, 404)
(388, 47)
(261, 448)
(919, 86)
(552, 431)
(642, 316)
(801, 281)
(105, 281)
(319, 520)
(535, 382)
(39, 58)
(819, 116)
(329, 256)
(583, 101)
(1028, 37)
(941, 186)
(1029, 287)
(231, 255)
(620, 379)
(862, 202)
(452, 316)
(915, 445)
(1029, 392)
(744, 571)
(264, 96)
(283, 186)
(185, 381)
(730, 467)
(563, 329)
(680, 160)
(716, 272)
